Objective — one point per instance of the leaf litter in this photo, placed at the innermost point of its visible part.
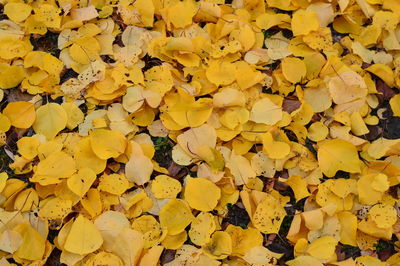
(209, 132)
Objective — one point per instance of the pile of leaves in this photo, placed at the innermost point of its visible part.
(244, 132)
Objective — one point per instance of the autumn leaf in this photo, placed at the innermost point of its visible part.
(51, 119)
(20, 114)
(335, 155)
(199, 132)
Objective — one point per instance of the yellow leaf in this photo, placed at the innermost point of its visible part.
(110, 224)
(366, 55)
(175, 216)
(243, 240)
(304, 22)
(48, 14)
(347, 86)
(202, 194)
(56, 166)
(274, 149)
(384, 72)
(21, 114)
(50, 119)
(229, 97)
(107, 143)
(343, 187)
(319, 98)
(92, 202)
(85, 51)
(370, 261)
(260, 255)
(323, 248)
(317, 131)
(84, 13)
(10, 241)
(74, 115)
(194, 139)
(174, 241)
(371, 187)
(34, 26)
(369, 227)
(267, 20)
(5, 123)
(394, 259)
(165, 187)
(83, 238)
(186, 112)
(395, 105)
(3, 180)
(26, 200)
(133, 99)
(201, 228)
(313, 219)
(240, 168)
(128, 246)
(303, 115)
(277, 46)
(151, 256)
(33, 245)
(221, 73)
(44, 61)
(212, 157)
(146, 11)
(55, 208)
(382, 147)
(246, 36)
(28, 147)
(299, 186)
(11, 48)
(144, 117)
(293, 69)
(114, 184)
(17, 12)
(263, 165)
(268, 215)
(150, 228)
(220, 245)
(181, 13)
(81, 182)
(158, 79)
(348, 232)
(335, 155)
(247, 76)
(86, 158)
(304, 260)
(358, 126)
(265, 111)
(327, 198)
(383, 215)
(104, 258)
(139, 168)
